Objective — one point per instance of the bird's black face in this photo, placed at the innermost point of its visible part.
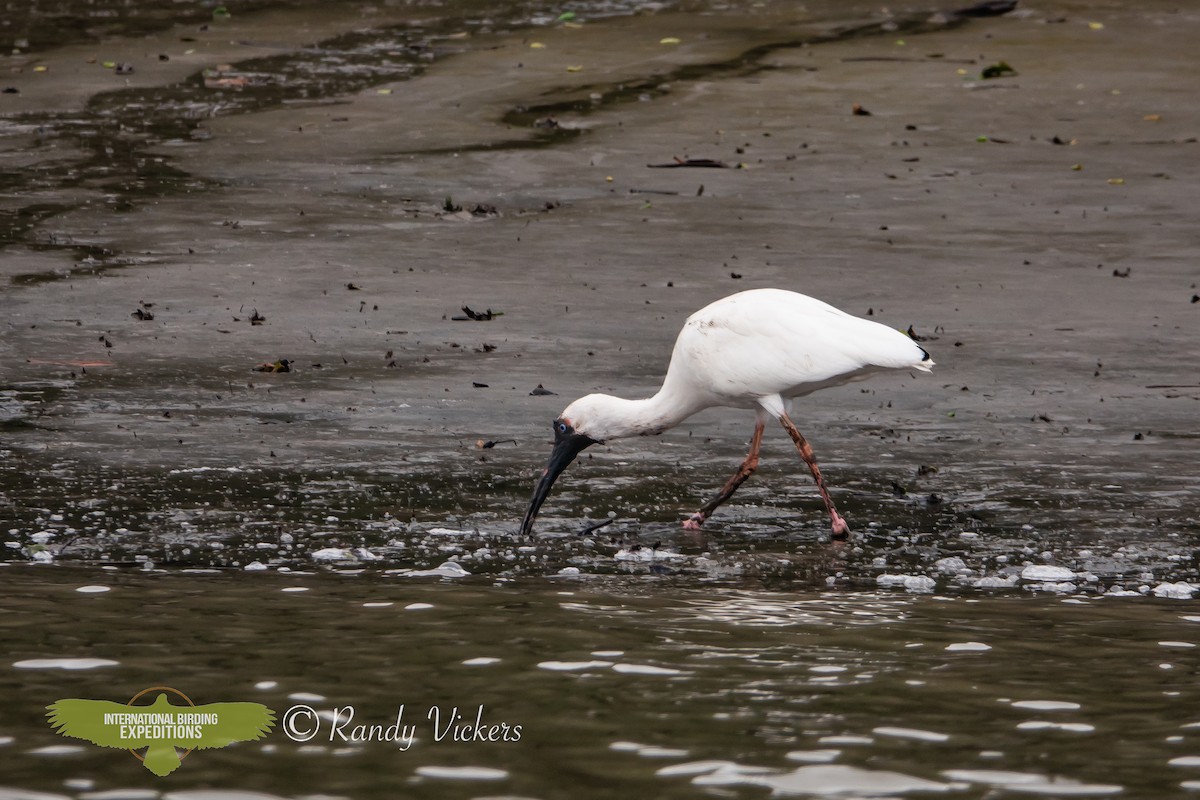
(567, 445)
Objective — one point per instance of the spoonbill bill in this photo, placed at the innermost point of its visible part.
(757, 349)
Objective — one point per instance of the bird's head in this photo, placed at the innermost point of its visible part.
(576, 429)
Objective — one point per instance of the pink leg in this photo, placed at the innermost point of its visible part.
(694, 522)
(840, 529)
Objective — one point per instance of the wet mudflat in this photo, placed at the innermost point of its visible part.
(330, 189)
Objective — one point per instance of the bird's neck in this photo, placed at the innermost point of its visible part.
(648, 417)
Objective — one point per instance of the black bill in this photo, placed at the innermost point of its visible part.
(567, 445)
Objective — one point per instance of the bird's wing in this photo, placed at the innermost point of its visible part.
(236, 722)
(766, 343)
(84, 719)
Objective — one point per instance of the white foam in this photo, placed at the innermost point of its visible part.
(447, 569)
(827, 780)
(646, 554)
(813, 756)
(1046, 705)
(1045, 572)
(120, 794)
(65, 663)
(481, 661)
(995, 582)
(1185, 761)
(911, 733)
(846, 739)
(1046, 725)
(94, 589)
(911, 583)
(645, 669)
(648, 750)
(8, 793)
(463, 773)
(218, 794)
(573, 666)
(56, 750)
(331, 554)
(708, 767)
(1032, 783)
(418, 606)
(968, 647)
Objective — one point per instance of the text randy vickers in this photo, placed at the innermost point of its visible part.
(452, 726)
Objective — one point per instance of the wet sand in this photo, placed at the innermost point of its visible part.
(1038, 228)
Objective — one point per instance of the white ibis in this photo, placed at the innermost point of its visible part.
(757, 349)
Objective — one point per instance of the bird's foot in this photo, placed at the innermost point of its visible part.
(694, 522)
(840, 529)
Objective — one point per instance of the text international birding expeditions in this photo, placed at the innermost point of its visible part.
(161, 729)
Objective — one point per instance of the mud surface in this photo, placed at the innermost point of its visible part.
(331, 187)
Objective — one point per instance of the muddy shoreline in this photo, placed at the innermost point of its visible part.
(1057, 301)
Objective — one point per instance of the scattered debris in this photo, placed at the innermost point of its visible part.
(123, 68)
(479, 385)
(701, 163)
(477, 316)
(484, 210)
(542, 390)
(1117, 273)
(998, 70)
(225, 76)
(988, 8)
(597, 526)
(858, 111)
(282, 365)
(257, 318)
(912, 334)
(142, 315)
(354, 287)
(489, 444)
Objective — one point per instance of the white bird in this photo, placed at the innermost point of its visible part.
(757, 349)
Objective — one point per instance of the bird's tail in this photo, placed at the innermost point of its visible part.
(161, 759)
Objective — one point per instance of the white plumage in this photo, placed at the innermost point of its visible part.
(756, 349)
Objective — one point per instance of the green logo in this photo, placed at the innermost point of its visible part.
(161, 729)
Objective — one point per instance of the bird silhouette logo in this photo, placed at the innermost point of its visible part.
(166, 733)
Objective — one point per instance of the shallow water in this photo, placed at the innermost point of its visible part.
(625, 688)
